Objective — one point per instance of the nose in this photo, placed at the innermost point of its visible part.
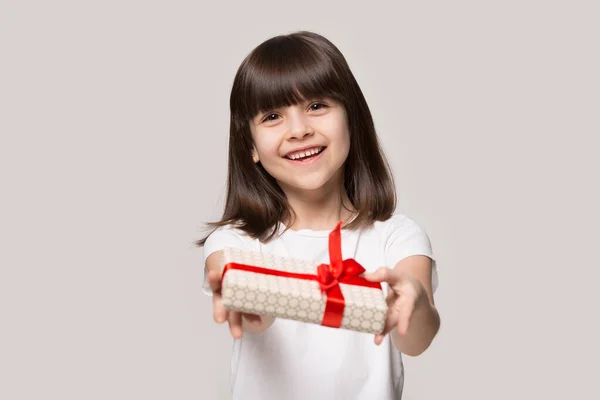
(298, 125)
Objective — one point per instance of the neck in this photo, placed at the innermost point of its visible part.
(319, 209)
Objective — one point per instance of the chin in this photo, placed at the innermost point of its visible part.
(306, 184)
(305, 180)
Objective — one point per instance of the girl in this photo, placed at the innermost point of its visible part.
(304, 155)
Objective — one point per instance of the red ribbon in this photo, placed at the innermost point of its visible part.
(329, 277)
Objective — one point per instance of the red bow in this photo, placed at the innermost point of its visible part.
(338, 271)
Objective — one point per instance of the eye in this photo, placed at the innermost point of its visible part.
(317, 106)
(271, 117)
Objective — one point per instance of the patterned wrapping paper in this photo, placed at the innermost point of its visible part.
(364, 308)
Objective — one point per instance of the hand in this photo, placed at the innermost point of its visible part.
(406, 294)
(222, 314)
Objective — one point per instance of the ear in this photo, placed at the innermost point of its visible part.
(255, 155)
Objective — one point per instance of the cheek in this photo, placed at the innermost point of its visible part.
(267, 147)
(339, 131)
(343, 138)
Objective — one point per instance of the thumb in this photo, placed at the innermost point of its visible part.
(382, 274)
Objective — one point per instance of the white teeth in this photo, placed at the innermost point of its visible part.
(305, 153)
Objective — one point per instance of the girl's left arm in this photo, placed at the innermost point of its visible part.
(412, 319)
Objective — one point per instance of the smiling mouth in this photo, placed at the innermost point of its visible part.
(306, 156)
(307, 159)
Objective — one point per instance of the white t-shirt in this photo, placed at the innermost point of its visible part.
(295, 360)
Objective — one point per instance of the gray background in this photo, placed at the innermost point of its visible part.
(114, 122)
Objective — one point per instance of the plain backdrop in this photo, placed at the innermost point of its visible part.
(114, 121)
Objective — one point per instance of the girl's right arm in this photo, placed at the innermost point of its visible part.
(238, 322)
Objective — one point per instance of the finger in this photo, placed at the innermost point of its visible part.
(219, 310)
(235, 324)
(390, 323)
(383, 274)
(391, 319)
(391, 299)
(399, 314)
(214, 280)
(252, 318)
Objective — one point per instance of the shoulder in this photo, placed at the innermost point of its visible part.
(399, 224)
(227, 236)
(402, 236)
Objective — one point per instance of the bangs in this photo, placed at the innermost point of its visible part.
(284, 71)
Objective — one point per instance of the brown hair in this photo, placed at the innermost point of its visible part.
(283, 71)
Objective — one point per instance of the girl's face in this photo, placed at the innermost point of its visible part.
(284, 139)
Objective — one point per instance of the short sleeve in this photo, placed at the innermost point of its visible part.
(406, 238)
(222, 237)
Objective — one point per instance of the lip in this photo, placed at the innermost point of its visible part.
(309, 161)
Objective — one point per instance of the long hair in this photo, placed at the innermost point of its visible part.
(282, 71)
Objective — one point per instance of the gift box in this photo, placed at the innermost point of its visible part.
(333, 295)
